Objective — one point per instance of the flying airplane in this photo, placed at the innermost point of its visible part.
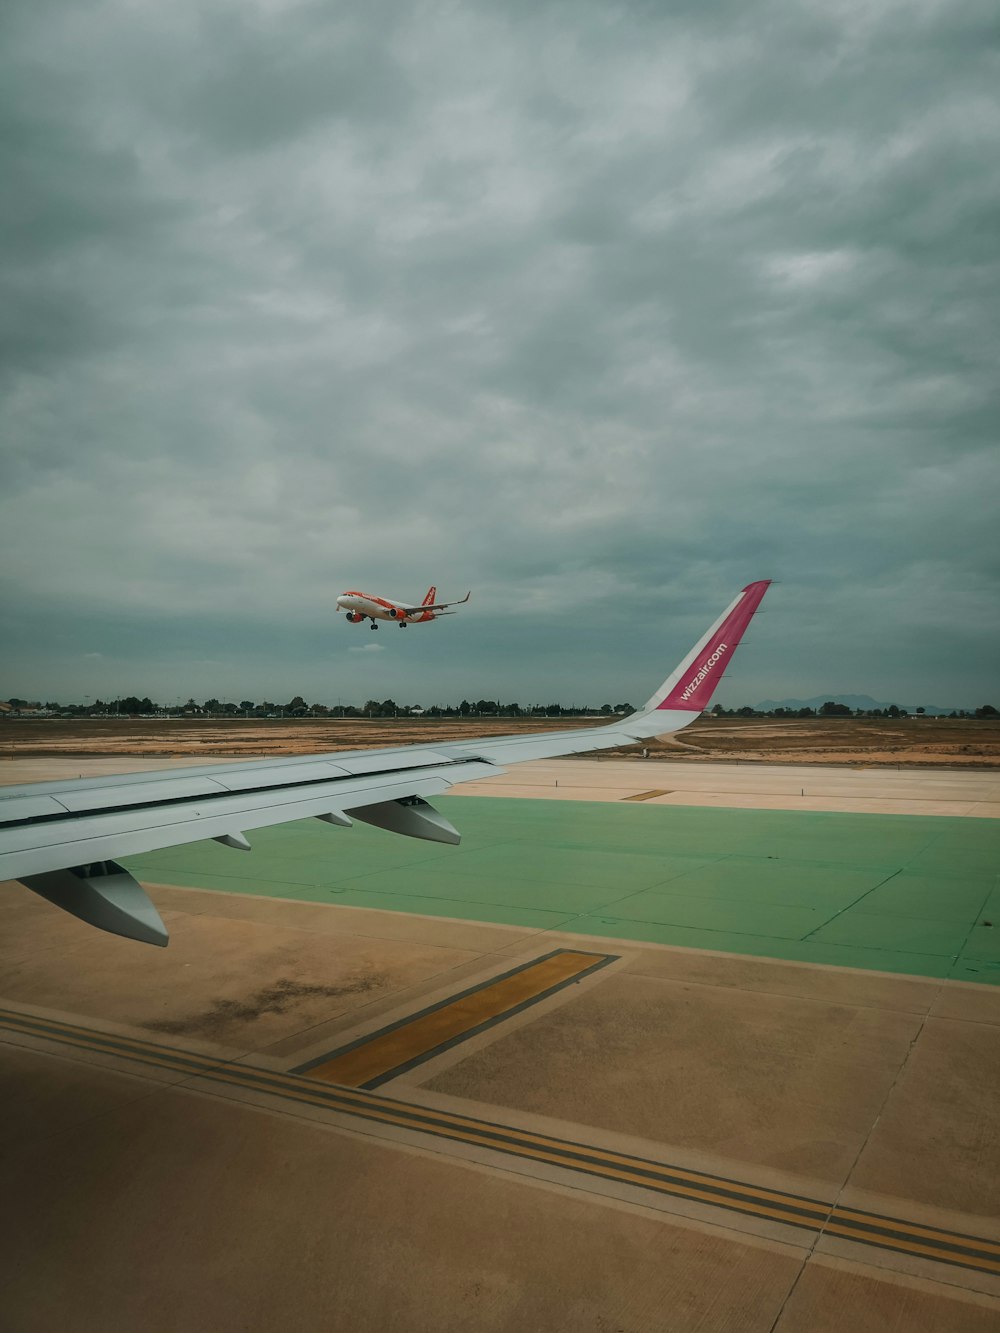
(59, 838)
(364, 606)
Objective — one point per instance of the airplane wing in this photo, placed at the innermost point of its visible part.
(443, 606)
(61, 839)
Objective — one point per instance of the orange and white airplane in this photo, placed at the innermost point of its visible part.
(364, 606)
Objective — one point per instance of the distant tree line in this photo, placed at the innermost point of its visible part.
(487, 708)
(132, 705)
(831, 709)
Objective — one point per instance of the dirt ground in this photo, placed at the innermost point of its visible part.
(965, 742)
(959, 742)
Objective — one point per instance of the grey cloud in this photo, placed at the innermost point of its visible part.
(601, 311)
(262, 80)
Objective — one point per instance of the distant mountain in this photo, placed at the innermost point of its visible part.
(862, 701)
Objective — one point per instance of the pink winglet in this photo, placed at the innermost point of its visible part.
(697, 685)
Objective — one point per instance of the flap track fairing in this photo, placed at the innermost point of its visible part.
(412, 816)
(104, 895)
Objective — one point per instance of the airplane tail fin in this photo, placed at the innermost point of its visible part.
(429, 599)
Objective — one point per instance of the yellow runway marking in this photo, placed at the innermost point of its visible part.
(806, 1214)
(853, 1217)
(375, 1058)
(645, 795)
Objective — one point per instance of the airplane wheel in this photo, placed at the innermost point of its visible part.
(374, 624)
(402, 624)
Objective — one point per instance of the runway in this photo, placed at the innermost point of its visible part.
(730, 1139)
(895, 1235)
(377, 1083)
(753, 786)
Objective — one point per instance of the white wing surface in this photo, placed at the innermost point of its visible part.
(442, 606)
(62, 839)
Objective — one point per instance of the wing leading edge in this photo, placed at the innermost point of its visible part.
(62, 839)
(441, 607)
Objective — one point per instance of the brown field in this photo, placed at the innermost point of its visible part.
(964, 743)
(958, 742)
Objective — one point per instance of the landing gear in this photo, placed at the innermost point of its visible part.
(402, 624)
(374, 624)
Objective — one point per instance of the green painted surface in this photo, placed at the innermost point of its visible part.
(896, 893)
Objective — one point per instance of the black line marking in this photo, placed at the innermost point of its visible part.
(915, 1248)
(355, 1102)
(845, 1211)
(944, 1240)
(807, 1214)
(119, 1044)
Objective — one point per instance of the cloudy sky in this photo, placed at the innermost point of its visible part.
(600, 310)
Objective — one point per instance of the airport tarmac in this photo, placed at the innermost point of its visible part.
(306, 1114)
(896, 893)
(753, 786)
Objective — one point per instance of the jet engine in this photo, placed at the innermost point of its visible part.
(354, 617)
(393, 612)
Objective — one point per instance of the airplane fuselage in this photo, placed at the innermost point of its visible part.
(366, 606)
